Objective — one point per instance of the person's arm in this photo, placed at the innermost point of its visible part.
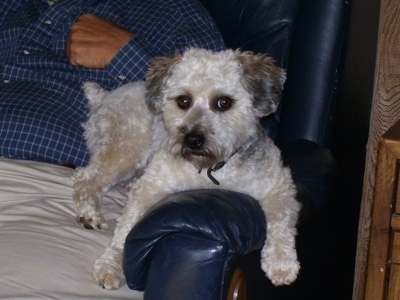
(94, 41)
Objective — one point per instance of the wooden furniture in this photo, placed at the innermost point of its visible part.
(384, 113)
(237, 286)
(383, 260)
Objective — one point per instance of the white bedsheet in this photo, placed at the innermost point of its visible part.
(44, 253)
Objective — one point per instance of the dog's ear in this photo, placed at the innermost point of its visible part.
(159, 70)
(264, 79)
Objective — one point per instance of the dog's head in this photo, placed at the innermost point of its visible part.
(212, 101)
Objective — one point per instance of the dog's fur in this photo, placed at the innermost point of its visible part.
(193, 124)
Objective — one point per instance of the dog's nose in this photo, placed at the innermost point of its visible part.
(194, 140)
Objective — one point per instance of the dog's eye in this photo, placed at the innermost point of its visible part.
(223, 103)
(183, 102)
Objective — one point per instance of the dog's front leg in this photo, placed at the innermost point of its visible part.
(278, 256)
(107, 270)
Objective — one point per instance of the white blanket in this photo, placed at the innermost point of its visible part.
(44, 253)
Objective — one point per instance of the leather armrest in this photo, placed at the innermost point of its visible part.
(186, 238)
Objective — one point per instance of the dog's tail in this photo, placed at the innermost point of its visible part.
(93, 92)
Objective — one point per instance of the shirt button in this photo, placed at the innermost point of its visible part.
(26, 52)
(47, 22)
(6, 81)
(122, 77)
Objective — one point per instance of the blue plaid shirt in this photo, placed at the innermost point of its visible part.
(41, 102)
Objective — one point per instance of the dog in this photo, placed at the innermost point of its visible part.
(193, 123)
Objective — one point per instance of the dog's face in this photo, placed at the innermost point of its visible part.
(212, 101)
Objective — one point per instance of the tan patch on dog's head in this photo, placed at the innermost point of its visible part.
(264, 79)
(159, 71)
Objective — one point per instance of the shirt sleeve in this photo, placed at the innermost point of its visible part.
(130, 63)
(187, 28)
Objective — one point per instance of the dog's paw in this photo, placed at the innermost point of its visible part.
(282, 270)
(108, 275)
(92, 221)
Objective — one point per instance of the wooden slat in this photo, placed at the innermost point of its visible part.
(397, 207)
(379, 242)
(395, 259)
(395, 224)
(394, 285)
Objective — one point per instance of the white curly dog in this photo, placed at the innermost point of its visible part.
(194, 123)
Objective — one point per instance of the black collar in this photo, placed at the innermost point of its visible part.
(218, 166)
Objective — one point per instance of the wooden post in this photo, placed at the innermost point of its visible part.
(385, 112)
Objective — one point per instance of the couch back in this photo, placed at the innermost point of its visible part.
(307, 38)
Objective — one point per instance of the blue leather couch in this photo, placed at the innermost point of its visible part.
(205, 244)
